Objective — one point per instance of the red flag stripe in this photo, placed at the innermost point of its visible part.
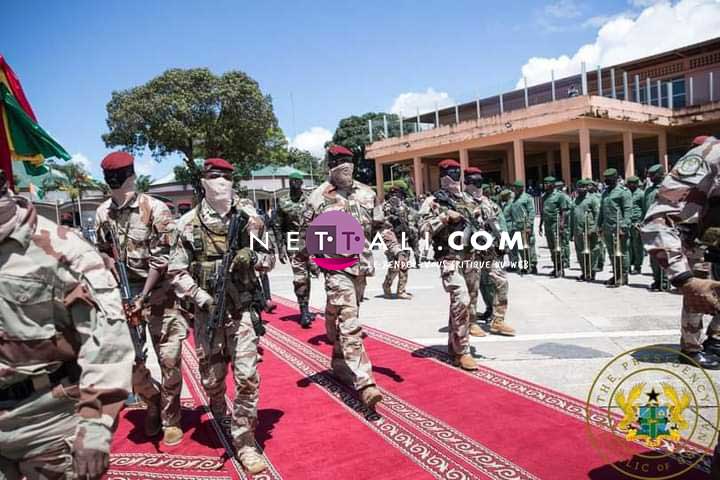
(15, 87)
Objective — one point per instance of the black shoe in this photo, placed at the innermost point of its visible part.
(486, 315)
(704, 360)
(654, 287)
(305, 316)
(553, 274)
(712, 347)
(610, 282)
(533, 270)
(637, 271)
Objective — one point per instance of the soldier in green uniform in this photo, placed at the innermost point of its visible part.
(584, 230)
(566, 232)
(521, 218)
(286, 222)
(556, 206)
(656, 173)
(614, 225)
(635, 245)
(599, 251)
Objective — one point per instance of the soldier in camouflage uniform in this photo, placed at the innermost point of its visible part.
(556, 207)
(65, 355)
(635, 246)
(656, 174)
(439, 221)
(144, 228)
(681, 232)
(194, 264)
(487, 274)
(288, 217)
(343, 288)
(398, 218)
(521, 217)
(584, 229)
(615, 206)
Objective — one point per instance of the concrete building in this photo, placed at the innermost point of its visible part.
(627, 116)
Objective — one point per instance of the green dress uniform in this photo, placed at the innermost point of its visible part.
(616, 206)
(599, 250)
(636, 250)
(521, 216)
(556, 206)
(583, 225)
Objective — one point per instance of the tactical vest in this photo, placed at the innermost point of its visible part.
(440, 241)
(709, 230)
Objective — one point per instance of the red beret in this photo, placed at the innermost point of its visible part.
(339, 151)
(700, 139)
(449, 163)
(473, 171)
(116, 161)
(218, 164)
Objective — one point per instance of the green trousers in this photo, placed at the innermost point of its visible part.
(609, 237)
(593, 241)
(636, 250)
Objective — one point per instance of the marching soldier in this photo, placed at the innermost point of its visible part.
(656, 174)
(556, 206)
(288, 218)
(584, 230)
(614, 224)
(144, 229)
(343, 288)
(635, 246)
(489, 277)
(521, 217)
(681, 233)
(66, 356)
(398, 217)
(440, 220)
(194, 266)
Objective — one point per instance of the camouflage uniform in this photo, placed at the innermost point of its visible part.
(398, 217)
(682, 226)
(343, 288)
(145, 232)
(660, 280)
(65, 354)
(200, 245)
(616, 203)
(288, 218)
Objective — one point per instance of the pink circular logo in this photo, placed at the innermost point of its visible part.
(334, 239)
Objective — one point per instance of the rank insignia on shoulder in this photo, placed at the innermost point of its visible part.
(689, 165)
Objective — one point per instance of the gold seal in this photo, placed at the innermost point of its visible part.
(650, 417)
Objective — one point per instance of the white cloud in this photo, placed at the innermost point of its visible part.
(563, 9)
(659, 27)
(146, 166)
(81, 159)
(408, 103)
(312, 140)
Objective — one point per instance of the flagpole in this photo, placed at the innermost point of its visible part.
(57, 210)
(80, 212)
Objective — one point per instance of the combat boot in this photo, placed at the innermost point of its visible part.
(306, 317)
(499, 327)
(172, 436)
(153, 425)
(486, 315)
(404, 296)
(270, 306)
(465, 361)
(387, 292)
(370, 396)
(251, 459)
(476, 331)
(218, 408)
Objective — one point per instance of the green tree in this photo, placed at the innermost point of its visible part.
(72, 178)
(142, 183)
(352, 132)
(305, 161)
(197, 114)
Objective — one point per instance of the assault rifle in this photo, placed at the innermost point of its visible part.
(469, 224)
(134, 319)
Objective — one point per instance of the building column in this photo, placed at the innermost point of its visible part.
(565, 162)
(519, 159)
(629, 154)
(550, 161)
(418, 176)
(509, 165)
(662, 150)
(464, 161)
(379, 180)
(585, 154)
(602, 153)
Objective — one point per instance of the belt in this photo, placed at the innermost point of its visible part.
(17, 392)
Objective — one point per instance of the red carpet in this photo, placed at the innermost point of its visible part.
(435, 422)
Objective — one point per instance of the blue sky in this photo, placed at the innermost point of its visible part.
(336, 58)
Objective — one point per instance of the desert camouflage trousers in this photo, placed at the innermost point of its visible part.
(234, 343)
(299, 263)
(691, 324)
(454, 281)
(36, 436)
(488, 277)
(350, 362)
(398, 265)
(167, 329)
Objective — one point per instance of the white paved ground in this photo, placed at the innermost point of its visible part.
(567, 330)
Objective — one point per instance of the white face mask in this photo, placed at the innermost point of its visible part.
(123, 194)
(341, 176)
(473, 190)
(447, 183)
(8, 215)
(218, 193)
